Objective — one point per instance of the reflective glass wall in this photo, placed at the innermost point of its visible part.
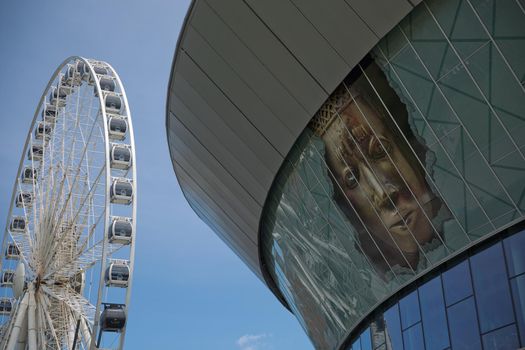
(418, 153)
(477, 304)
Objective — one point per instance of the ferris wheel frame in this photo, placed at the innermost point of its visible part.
(109, 180)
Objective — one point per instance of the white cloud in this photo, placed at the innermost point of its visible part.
(253, 342)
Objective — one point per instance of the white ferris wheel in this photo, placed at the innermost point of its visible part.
(68, 247)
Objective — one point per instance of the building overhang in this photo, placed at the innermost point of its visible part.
(246, 78)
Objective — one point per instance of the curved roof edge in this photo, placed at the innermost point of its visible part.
(242, 88)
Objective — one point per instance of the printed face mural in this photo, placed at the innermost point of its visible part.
(378, 181)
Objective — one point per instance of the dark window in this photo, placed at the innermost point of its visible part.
(491, 287)
(464, 330)
(409, 310)
(518, 292)
(413, 338)
(433, 315)
(515, 252)
(393, 327)
(505, 338)
(457, 283)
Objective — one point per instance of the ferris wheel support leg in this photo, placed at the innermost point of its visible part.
(86, 334)
(21, 344)
(31, 321)
(19, 323)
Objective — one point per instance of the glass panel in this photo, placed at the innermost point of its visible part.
(505, 338)
(366, 340)
(412, 157)
(515, 253)
(504, 20)
(457, 283)
(409, 310)
(491, 288)
(393, 328)
(433, 315)
(463, 325)
(518, 293)
(413, 338)
(356, 345)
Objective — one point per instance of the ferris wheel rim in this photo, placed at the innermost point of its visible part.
(108, 182)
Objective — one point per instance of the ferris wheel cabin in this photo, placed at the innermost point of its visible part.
(12, 252)
(117, 274)
(6, 305)
(49, 113)
(29, 174)
(7, 278)
(36, 152)
(43, 131)
(121, 191)
(57, 96)
(24, 199)
(113, 103)
(120, 230)
(120, 156)
(113, 318)
(18, 224)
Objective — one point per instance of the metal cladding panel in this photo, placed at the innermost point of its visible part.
(303, 40)
(270, 51)
(246, 213)
(331, 19)
(188, 146)
(247, 77)
(381, 15)
(229, 114)
(222, 224)
(238, 91)
(230, 150)
(283, 103)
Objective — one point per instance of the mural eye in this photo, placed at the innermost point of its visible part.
(351, 176)
(378, 147)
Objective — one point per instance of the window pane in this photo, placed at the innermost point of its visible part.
(457, 283)
(413, 338)
(356, 345)
(366, 341)
(393, 328)
(518, 292)
(464, 332)
(515, 252)
(491, 287)
(502, 339)
(409, 310)
(433, 315)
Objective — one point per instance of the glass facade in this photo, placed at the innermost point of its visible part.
(419, 153)
(486, 315)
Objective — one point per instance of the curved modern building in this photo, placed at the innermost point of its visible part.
(366, 159)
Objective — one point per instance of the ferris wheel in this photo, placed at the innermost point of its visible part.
(68, 247)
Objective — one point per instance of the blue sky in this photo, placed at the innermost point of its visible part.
(190, 291)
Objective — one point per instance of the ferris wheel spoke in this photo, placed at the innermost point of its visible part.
(54, 242)
(23, 243)
(51, 337)
(76, 302)
(66, 175)
(86, 259)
